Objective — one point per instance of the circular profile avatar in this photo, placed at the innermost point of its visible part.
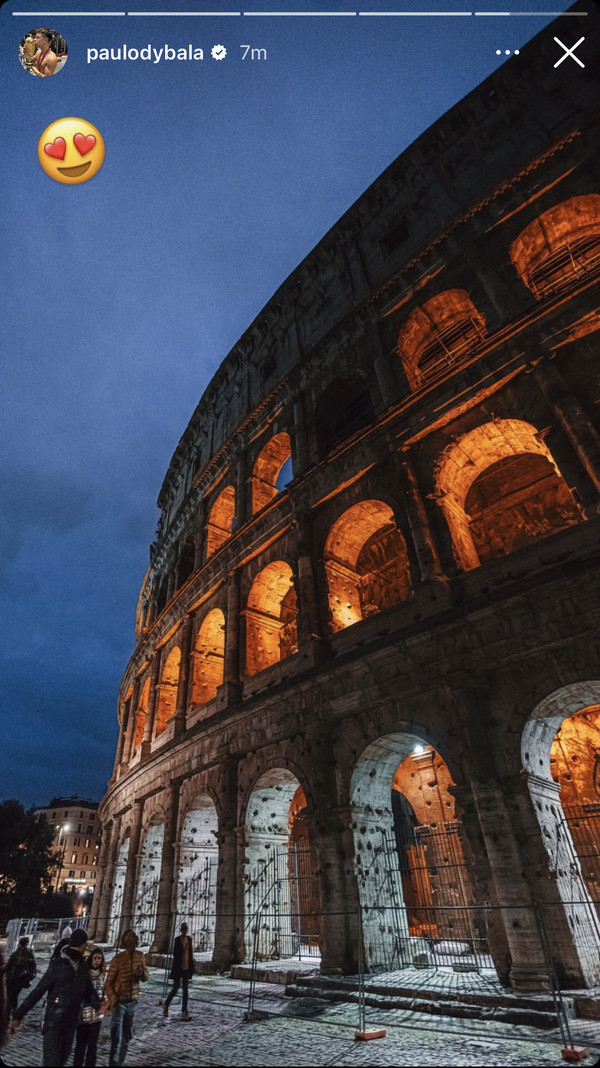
(42, 52)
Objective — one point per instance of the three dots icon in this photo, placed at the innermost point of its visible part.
(508, 52)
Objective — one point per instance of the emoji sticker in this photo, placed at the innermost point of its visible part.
(71, 150)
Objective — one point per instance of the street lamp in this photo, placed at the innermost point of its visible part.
(61, 831)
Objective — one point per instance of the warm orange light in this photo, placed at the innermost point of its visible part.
(439, 334)
(271, 618)
(266, 470)
(220, 520)
(166, 698)
(560, 246)
(208, 658)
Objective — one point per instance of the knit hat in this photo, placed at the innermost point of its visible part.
(78, 938)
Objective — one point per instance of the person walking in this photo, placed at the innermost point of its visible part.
(20, 971)
(88, 1028)
(182, 971)
(67, 983)
(127, 970)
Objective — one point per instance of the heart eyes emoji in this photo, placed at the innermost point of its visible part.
(71, 150)
(58, 147)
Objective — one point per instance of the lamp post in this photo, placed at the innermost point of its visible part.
(61, 831)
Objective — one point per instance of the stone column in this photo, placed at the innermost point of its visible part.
(301, 457)
(529, 969)
(568, 410)
(127, 908)
(171, 581)
(310, 631)
(199, 537)
(151, 710)
(230, 691)
(423, 540)
(162, 931)
(184, 676)
(331, 833)
(106, 872)
(241, 489)
(229, 876)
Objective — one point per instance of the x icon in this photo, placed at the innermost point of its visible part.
(569, 52)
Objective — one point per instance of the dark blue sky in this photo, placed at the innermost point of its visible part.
(123, 295)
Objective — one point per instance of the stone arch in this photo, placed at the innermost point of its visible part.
(439, 335)
(166, 698)
(197, 874)
(267, 468)
(559, 247)
(366, 563)
(562, 720)
(281, 896)
(271, 617)
(208, 658)
(500, 488)
(146, 900)
(116, 901)
(412, 861)
(342, 409)
(220, 520)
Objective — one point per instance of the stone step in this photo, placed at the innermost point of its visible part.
(534, 1011)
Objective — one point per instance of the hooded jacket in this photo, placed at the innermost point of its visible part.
(67, 983)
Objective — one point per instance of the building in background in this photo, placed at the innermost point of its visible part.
(76, 846)
(361, 707)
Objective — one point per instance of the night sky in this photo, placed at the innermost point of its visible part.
(122, 295)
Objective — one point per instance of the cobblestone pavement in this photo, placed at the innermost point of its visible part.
(309, 1032)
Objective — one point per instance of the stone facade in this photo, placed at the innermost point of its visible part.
(373, 596)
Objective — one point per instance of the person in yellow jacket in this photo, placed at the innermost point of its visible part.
(127, 970)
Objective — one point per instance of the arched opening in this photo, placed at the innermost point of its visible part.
(141, 713)
(116, 901)
(412, 862)
(366, 564)
(208, 658)
(267, 468)
(220, 520)
(186, 562)
(439, 335)
(146, 901)
(500, 489)
(271, 618)
(343, 408)
(561, 753)
(560, 247)
(196, 886)
(281, 898)
(166, 697)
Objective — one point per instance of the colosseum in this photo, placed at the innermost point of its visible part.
(361, 719)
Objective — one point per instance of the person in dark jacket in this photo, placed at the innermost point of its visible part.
(88, 1028)
(67, 983)
(182, 970)
(20, 970)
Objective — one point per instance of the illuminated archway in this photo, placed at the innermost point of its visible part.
(561, 753)
(281, 896)
(208, 658)
(500, 488)
(267, 468)
(271, 618)
(366, 564)
(411, 860)
(439, 335)
(220, 520)
(166, 697)
(197, 882)
(559, 247)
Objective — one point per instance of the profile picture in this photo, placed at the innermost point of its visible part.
(42, 52)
